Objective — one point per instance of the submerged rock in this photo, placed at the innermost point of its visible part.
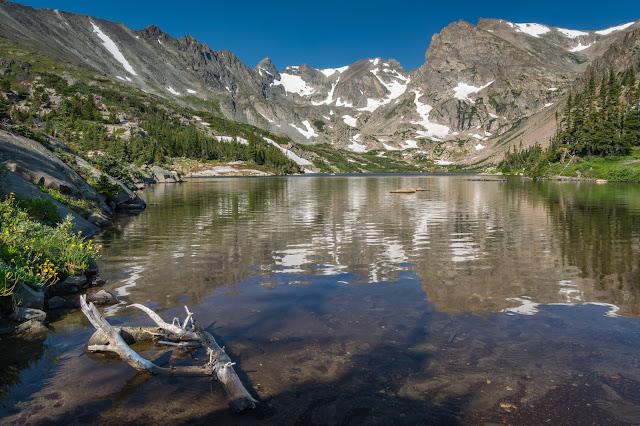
(102, 297)
(32, 329)
(56, 302)
(22, 314)
(96, 281)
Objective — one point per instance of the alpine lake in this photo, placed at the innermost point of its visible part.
(471, 302)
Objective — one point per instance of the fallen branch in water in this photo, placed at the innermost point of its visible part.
(108, 339)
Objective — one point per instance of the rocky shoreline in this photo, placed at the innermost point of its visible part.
(31, 168)
(33, 306)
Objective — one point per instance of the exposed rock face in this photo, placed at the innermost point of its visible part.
(35, 163)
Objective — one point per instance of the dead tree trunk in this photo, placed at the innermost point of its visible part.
(219, 364)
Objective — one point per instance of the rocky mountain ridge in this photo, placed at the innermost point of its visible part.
(476, 82)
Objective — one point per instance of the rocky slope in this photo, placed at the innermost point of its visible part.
(476, 83)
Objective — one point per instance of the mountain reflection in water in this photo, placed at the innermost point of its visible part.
(478, 246)
(471, 302)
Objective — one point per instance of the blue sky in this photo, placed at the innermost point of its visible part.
(330, 33)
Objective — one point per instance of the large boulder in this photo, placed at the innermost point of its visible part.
(29, 297)
(35, 163)
(161, 175)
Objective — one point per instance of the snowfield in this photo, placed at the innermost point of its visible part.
(173, 91)
(534, 30)
(614, 29)
(290, 155)
(308, 132)
(571, 33)
(580, 47)
(463, 90)
(293, 84)
(113, 49)
(433, 129)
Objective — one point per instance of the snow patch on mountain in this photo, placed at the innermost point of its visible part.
(193, 92)
(432, 129)
(228, 139)
(614, 29)
(329, 95)
(463, 90)
(172, 91)
(260, 70)
(339, 103)
(113, 49)
(410, 144)
(571, 33)
(349, 120)
(355, 146)
(308, 132)
(290, 155)
(396, 87)
(534, 30)
(580, 47)
(328, 72)
(389, 147)
(293, 84)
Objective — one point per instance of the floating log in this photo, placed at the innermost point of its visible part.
(175, 334)
(486, 180)
(404, 191)
(419, 189)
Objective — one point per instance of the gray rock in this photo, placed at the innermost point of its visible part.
(32, 329)
(102, 297)
(69, 285)
(165, 176)
(100, 220)
(92, 269)
(96, 281)
(56, 302)
(30, 298)
(21, 314)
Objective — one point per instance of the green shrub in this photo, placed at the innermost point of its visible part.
(106, 188)
(40, 209)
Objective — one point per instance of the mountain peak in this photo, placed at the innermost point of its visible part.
(152, 31)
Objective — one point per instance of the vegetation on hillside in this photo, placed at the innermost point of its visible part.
(98, 115)
(598, 135)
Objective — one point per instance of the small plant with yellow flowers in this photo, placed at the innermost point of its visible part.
(37, 254)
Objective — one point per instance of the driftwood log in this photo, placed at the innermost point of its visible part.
(219, 365)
